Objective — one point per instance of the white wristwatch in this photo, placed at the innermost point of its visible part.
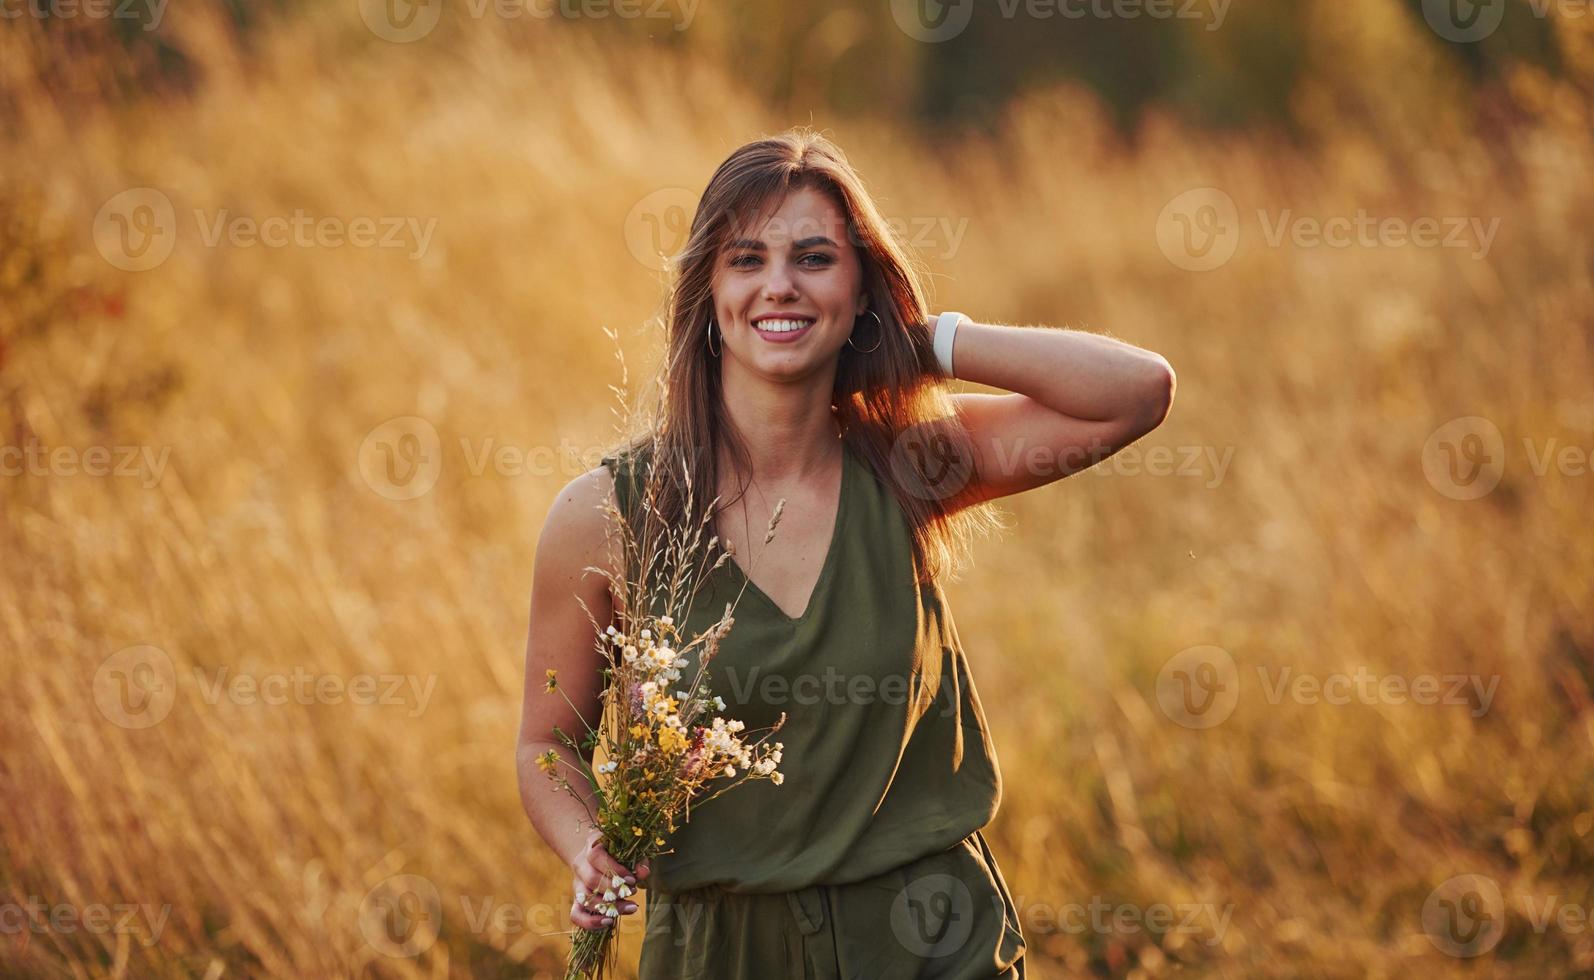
(946, 327)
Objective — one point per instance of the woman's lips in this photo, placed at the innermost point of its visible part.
(782, 336)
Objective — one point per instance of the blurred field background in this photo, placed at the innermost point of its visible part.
(1033, 162)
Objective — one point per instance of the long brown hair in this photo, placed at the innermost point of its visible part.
(878, 396)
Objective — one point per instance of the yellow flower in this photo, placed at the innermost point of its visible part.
(637, 831)
(659, 841)
(552, 683)
(672, 740)
(548, 761)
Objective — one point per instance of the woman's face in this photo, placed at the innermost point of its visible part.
(787, 292)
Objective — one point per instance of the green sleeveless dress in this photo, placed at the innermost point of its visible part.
(867, 861)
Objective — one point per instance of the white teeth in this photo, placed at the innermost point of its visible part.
(782, 326)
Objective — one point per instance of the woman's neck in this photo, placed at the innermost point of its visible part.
(790, 435)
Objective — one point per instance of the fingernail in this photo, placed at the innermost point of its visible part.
(608, 921)
(630, 879)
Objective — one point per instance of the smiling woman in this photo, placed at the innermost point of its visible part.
(803, 376)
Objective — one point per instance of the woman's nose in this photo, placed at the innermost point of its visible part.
(779, 284)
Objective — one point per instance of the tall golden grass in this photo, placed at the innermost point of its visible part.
(269, 831)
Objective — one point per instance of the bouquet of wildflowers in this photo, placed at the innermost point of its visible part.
(661, 735)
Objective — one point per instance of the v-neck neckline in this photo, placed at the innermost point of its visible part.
(826, 570)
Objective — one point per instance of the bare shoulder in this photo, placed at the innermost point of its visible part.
(576, 531)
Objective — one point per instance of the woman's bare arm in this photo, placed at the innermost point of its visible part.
(561, 638)
(1079, 398)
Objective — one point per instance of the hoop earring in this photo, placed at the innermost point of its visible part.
(711, 351)
(877, 343)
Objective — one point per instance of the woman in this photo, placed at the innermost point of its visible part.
(802, 365)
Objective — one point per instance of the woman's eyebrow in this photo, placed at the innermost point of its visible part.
(757, 246)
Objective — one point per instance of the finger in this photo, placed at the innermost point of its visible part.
(591, 873)
(587, 920)
(600, 911)
(642, 870)
(584, 884)
(606, 863)
(601, 894)
(590, 897)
